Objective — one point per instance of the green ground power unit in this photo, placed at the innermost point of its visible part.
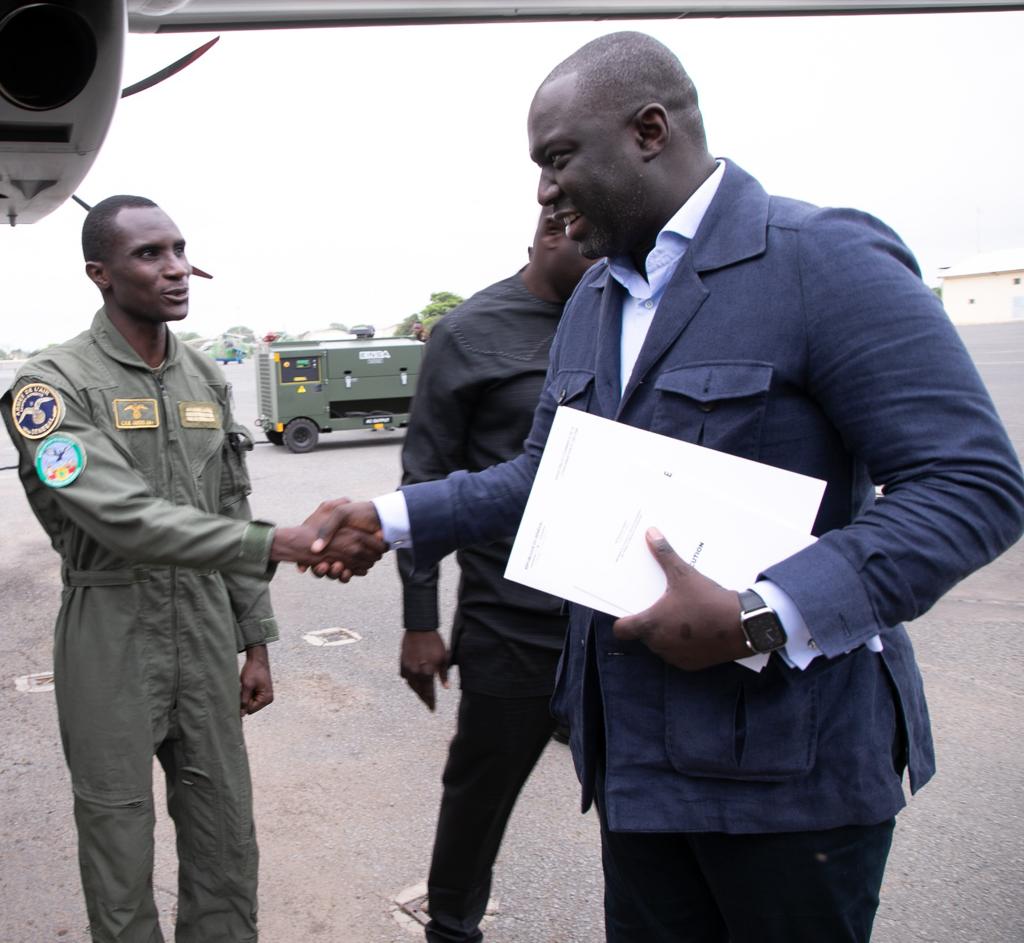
(305, 388)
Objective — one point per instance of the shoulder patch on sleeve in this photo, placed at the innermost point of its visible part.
(37, 410)
(60, 459)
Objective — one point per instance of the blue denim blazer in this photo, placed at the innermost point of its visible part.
(804, 338)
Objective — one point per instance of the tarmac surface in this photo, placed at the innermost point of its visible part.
(347, 763)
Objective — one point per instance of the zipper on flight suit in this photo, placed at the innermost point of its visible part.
(170, 441)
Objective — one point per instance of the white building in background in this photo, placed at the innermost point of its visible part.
(985, 288)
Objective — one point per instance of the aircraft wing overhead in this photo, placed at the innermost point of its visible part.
(60, 61)
(145, 16)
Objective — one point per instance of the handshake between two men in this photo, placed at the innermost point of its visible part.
(695, 624)
(340, 539)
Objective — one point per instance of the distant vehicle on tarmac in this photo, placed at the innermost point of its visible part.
(305, 388)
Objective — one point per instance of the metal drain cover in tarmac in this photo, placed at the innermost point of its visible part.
(333, 636)
(43, 681)
(411, 911)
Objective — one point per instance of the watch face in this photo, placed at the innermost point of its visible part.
(764, 631)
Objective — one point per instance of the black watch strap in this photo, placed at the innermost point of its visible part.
(761, 626)
(751, 601)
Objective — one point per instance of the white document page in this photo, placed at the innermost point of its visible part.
(601, 484)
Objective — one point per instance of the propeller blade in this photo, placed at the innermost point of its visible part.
(157, 77)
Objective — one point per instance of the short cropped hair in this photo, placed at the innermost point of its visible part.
(628, 70)
(98, 228)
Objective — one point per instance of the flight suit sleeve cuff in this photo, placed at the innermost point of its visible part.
(256, 541)
(257, 632)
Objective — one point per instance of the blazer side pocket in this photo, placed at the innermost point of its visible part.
(728, 722)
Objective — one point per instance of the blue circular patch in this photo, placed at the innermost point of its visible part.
(59, 460)
(37, 410)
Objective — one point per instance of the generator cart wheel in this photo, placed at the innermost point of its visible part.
(274, 437)
(300, 435)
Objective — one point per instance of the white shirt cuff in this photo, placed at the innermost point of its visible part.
(394, 519)
(799, 650)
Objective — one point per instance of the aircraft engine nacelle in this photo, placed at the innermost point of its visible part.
(60, 80)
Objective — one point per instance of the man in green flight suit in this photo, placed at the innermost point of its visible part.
(135, 467)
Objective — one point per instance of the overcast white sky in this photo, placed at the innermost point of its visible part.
(345, 174)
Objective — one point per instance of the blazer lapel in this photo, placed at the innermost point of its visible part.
(734, 228)
(681, 301)
(609, 344)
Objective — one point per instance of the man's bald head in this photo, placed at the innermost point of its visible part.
(618, 137)
(627, 70)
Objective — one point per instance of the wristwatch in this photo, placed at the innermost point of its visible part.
(761, 626)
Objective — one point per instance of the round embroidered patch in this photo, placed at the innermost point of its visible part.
(37, 410)
(59, 460)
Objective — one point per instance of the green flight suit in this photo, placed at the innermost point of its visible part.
(165, 580)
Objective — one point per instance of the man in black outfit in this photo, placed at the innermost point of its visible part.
(482, 376)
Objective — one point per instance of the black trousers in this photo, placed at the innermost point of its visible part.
(795, 887)
(497, 743)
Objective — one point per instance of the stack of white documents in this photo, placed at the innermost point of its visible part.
(601, 484)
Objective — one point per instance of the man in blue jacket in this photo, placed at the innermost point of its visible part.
(734, 805)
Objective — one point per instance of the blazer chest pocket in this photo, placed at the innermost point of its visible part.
(716, 404)
(730, 723)
(574, 388)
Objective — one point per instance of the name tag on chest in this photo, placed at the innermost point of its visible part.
(199, 415)
(136, 414)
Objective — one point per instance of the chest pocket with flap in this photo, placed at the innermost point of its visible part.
(574, 388)
(717, 404)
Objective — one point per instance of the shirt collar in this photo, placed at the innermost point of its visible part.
(114, 343)
(688, 217)
(670, 244)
